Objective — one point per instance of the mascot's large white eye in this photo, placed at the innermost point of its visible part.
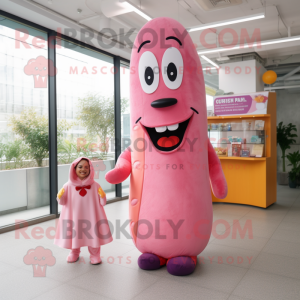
(148, 72)
(172, 68)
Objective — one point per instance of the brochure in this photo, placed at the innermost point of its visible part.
(236, 149)
(257, 150)
(259, 125)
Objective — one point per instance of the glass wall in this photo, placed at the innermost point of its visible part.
(209, 100)
(80, 99)
(125, 116)
(85, 111)
(24, 154)
(210, 74)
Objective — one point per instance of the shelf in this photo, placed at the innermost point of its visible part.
(237, 142)
(252, 177)
(213, 130)
(242, 158)
(238, 117)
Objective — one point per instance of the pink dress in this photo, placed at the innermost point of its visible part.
(82, 220)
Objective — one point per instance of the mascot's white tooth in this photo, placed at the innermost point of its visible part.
(161, 129)
(173, 127)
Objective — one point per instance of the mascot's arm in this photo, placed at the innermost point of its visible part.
(216, 175)
(122, 169)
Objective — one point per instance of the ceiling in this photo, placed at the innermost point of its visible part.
(279, 15)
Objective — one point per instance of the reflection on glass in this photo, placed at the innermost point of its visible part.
(85, 103)
(246, 136)
(125, 117)
(24, 155)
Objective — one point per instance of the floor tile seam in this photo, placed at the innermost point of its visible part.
(247, 269)
(64, 283)
(83, 288)
(144, 289)
(272, 273)
(232, 292)
(272, 235)
(232, 224)
(48, 290)
(129, 251)
(268, 273)
(232, 265)
(244, 248)
(119, 241)
(16, 268)
(187, 283)
(127, 266)
(81, 274)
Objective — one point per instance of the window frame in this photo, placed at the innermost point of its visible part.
(52, 112)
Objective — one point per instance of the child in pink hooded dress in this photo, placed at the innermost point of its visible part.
(82, 220)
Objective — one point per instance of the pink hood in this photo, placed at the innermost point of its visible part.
(74, 179)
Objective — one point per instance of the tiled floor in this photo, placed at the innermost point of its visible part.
(266, 266)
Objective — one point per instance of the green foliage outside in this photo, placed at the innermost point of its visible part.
(32, 132)
(97, 114)
(68, 151)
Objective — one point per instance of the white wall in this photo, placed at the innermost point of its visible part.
(241, 77)
(238, 77)
(260, 70)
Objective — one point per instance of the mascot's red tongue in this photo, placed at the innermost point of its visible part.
(168, 141)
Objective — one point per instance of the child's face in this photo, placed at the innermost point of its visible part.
(83, 169)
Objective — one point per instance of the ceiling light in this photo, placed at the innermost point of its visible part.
(210, 61)
(263, 43)
(136, 9)
(227, 22)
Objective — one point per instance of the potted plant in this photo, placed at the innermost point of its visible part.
(285, 138)
(294, 174)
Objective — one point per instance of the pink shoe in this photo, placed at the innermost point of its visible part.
(95, 256)
(73, 256)
(95, 261)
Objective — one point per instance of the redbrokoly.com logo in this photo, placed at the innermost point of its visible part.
(40, 68)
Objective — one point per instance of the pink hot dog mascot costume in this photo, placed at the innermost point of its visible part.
(171, 161)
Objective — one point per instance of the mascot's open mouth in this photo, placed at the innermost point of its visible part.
(168, 138)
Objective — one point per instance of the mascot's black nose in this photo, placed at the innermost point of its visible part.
(165, 102)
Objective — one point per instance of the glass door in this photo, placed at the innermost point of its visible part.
(85, 111)
(24, 153)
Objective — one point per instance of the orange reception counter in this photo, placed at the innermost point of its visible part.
(237, 139)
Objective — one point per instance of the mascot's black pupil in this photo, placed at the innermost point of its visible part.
(149, 76)
(172, 71)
